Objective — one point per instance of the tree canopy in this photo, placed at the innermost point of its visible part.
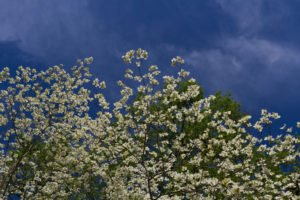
(168, 143)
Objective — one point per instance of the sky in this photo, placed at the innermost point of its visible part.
(250, 48)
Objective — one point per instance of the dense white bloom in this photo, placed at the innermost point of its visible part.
(153, 144)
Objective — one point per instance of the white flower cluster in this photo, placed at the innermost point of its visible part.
(154, 144)
(178, 60)
(140, 54)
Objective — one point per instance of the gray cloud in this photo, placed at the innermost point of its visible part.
(252, 69)
(246, 13)
(51, 29)
(252, 16)
(258, 71)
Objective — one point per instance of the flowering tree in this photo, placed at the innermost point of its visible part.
(169, 143)
(47, 132)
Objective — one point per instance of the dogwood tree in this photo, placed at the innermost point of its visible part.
(168, 143)
(46, 133)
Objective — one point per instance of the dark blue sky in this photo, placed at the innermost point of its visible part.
(251, 48)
